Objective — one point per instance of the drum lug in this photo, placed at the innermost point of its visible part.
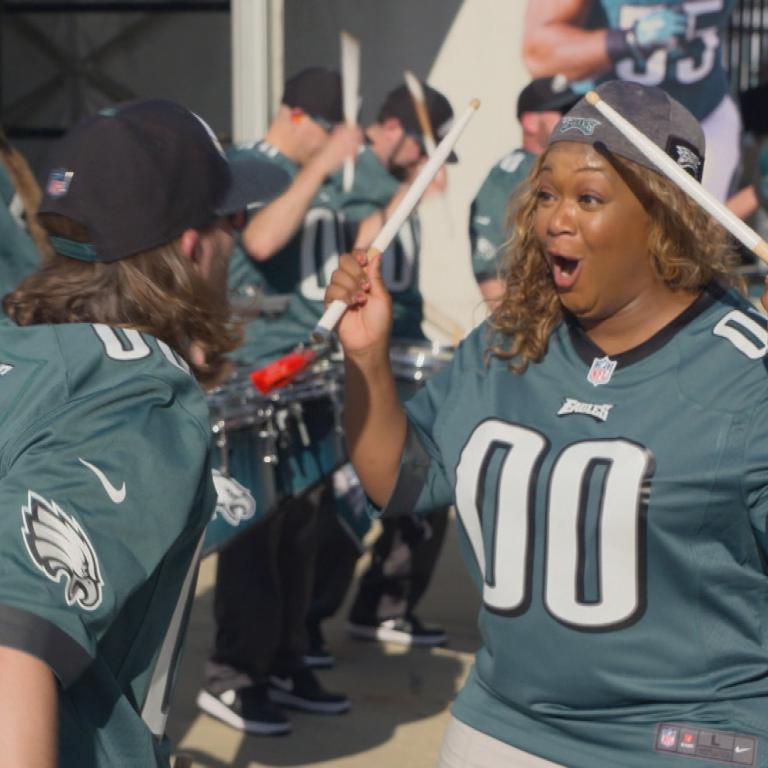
(220, 430)
(297, 411)
(269, 433)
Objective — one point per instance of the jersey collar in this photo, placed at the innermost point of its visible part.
(587, 350)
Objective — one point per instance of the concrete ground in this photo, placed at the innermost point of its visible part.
(400, 697)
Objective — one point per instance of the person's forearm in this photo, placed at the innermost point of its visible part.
(28, 712)
(562, 49)
(744, 203)
(375, 424)
(492, 291)
(274, 225)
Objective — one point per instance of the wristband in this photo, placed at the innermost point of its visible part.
(622, 44)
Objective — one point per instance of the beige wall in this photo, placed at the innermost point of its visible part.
(480, 57)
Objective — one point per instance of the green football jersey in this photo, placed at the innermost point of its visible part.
(373, 187)
(488, 229)
(300, 270)
(691, 68)
(614, 514)
(106, 487)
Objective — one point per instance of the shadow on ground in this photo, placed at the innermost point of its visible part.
(391, 689)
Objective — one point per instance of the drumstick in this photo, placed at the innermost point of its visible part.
(741, 231)
(281, 371)
(333, 314)
(350, 85)
(420, 105)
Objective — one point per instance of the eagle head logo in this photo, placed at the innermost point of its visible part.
(234, 502)
(61, 550)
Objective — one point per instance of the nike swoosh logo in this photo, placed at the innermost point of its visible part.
(739, 750)
(115, 494)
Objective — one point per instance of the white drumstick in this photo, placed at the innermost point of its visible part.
(684, 180)
(387, 233)
(420, 105)
(350, 86)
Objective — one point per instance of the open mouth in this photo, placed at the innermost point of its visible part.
(565, 270)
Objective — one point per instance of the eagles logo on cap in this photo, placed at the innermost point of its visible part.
(585, 125)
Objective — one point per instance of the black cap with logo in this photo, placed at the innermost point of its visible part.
(137, 175)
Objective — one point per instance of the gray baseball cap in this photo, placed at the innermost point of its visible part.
(666, 122)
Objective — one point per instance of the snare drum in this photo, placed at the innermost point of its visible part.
(244, 455)
(308, 418)
(413, 363)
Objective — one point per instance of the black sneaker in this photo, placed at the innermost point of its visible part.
(247, 709)
(302, 690)
(318, 656)
(403, 631)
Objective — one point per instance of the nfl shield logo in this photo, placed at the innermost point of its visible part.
(668, 738)
(601, 371)
(58, 182)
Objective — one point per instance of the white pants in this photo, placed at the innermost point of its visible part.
(722, 131)
(465, 747)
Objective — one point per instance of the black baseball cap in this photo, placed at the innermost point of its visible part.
(665, 121)
(317, 91)
(137, 175)
(399, 104)
(540, 96)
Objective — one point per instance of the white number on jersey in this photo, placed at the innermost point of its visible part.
(506, 564)
(319, 251)
(398, 261)
(687, 70)
(124, 344)
(744, 332)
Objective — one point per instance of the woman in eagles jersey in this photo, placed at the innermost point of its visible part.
(604, 437)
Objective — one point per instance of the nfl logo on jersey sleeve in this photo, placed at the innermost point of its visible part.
(601, 371)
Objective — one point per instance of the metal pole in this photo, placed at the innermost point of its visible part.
(250, 69)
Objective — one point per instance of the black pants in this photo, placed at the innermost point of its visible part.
(402, 563)
(263, 588)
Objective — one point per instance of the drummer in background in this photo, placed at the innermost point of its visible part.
(20, 255)
(264, 578)
(539, 107)
(406, 551)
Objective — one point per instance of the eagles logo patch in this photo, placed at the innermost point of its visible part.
(234, 502)
(61, 550)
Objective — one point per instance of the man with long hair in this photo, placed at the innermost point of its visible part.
(603, 436)
(105, 481)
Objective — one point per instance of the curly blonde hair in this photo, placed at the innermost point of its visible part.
(688, 250)
(155, 292)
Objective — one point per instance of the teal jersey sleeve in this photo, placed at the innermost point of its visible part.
(106, 488)
(689, 67)
(371, 191)
(488, 228)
